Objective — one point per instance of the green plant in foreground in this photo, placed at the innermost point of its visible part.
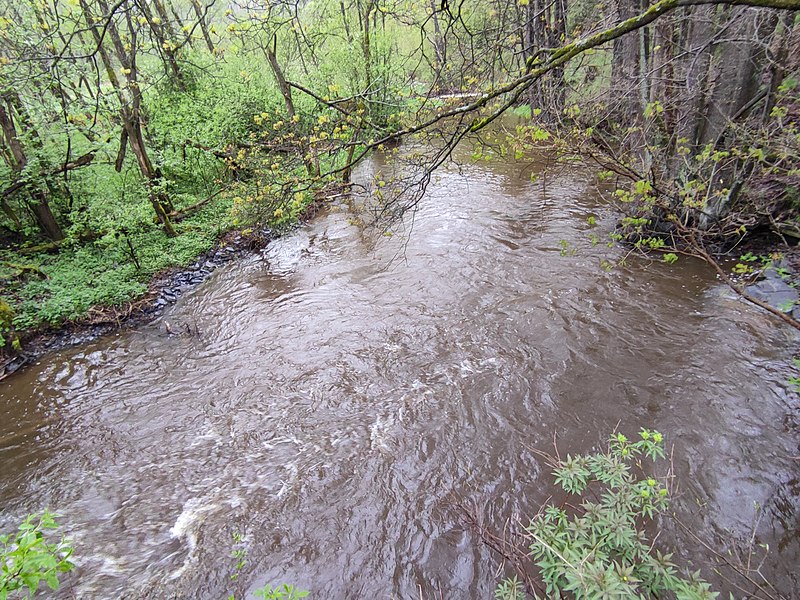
(670, 258)
(565, 250)
(281, 592)
(27, 558)
(599, 549)
(239, 553)
(794, 380)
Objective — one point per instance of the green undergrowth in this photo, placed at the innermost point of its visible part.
(228, 156)
(113, 246)
(51, 288)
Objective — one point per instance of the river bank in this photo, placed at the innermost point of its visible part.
(768, 272)
(163, 290)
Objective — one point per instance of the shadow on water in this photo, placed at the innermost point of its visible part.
(340, 391)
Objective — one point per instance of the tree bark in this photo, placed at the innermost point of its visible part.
(201, 20)
(38, 202)
(626, 67)
(286, 92)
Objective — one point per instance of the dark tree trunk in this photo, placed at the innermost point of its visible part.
(38, 202)
(201, 19)
(439, 46)
(288, 100)
(625, 68)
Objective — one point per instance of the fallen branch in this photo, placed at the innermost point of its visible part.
(24, 269)
(46, 247)
(177, 215)
(739, 289)
(514, 554)
(221, 154)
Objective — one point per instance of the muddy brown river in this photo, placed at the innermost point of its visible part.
(341, 390)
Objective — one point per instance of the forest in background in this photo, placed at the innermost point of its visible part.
(135, 133)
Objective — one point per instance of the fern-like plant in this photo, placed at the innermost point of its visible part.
(599, 549)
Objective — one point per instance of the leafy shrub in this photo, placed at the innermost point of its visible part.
(27, 558)
(599, 549)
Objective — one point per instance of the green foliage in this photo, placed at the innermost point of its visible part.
(565, 250)
(670, 258)
(523, 111)
(6, 321)
(104, 272)
(510, 589)
(794, 380)
(281, 592)
(599, 548)
(239, 554)
(27, 558)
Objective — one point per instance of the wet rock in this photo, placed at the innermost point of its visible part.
(775, 292)
(777, 272)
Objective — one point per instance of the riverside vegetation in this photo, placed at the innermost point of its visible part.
(598, 547)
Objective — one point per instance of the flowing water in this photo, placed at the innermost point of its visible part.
(341, 392)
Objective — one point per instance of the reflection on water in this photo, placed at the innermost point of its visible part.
(338, 392)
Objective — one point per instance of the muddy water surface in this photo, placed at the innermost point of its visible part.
(339, 391)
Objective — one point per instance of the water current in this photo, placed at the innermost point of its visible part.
(329, 401)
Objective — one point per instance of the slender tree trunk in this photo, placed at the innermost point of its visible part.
(201, 19)
(130, 109)
(557, 28)
(776, 68)
(439, 46)
(346, 22)
(38, 203)
(366, 41)
(288, 100)
(532, 42)
(165, 39)
(691, 104)
(10, 214)
(625, 67)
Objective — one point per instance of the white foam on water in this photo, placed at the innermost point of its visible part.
(379, 432)
(185, 527)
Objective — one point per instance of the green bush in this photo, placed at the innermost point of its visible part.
(599, 548)
(27, 558)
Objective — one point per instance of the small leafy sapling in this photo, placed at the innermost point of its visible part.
(28, 558)
(597, 546)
